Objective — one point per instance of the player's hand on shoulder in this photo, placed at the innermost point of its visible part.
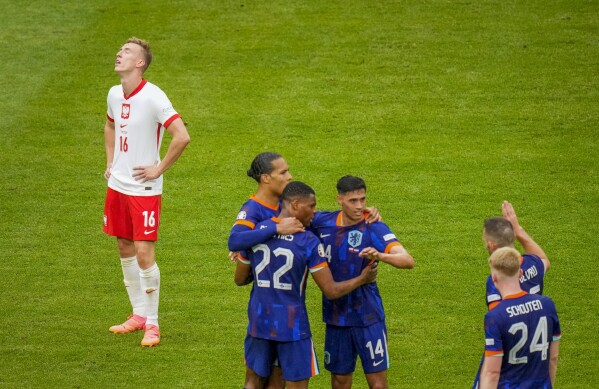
(289, 225)
(372, 215)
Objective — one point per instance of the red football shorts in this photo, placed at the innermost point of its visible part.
(132, 217)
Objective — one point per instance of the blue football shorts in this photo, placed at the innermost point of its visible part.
(342, 346)
(297, 359)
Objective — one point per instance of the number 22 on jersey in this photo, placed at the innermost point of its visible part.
(286, 254)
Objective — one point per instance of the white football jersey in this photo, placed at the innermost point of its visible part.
(139, 121)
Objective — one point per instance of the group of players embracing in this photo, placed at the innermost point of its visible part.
(279, 237)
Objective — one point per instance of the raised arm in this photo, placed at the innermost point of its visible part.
(333, 290)
(397, 256)
(528, 244)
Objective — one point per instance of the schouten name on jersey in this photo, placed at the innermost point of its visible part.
(522, 309)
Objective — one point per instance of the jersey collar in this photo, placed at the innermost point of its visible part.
(515, 296)
(269, 206)
(136, 90)
(339, 221)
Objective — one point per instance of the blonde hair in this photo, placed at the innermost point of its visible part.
(147, 52)
(505, 260)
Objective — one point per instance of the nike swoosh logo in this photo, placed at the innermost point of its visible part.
(377, 363)
(148, 291)
(148, 232)
(324, 235)
(124, 125)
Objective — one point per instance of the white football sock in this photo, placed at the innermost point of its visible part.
(150, 284)
(133, 284)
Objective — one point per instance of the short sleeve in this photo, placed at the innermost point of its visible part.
(247, 217)
(109, 113)
(383, 238)
(243, 257)
(538, 263)
(493, 344)
(165, 112)
(557, 331)
(316, 258)
(492, 295)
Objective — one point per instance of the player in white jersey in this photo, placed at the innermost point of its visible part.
(138, 113)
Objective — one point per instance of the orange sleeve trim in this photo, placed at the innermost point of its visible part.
(320, 266)
(391, 245)
(246, 223)
(489, 353)
(171, 119)
(493, 304)
(109, 118)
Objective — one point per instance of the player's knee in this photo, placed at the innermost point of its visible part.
(379, 384)
(126, 248)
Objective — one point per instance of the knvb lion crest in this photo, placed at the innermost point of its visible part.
(354, 238)
(125, 111)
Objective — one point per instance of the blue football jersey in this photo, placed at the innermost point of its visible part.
(533, 271)
(243, 234)
(280, 266)
(520, 329)
(342, 246)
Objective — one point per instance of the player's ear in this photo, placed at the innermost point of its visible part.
(494, 277)
(339, 199)
(520, 273)
(295, 204)
(265, 178)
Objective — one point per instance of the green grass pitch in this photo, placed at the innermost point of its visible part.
(446, 108)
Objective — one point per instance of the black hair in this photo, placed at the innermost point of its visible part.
(296, 189)
(348, 184)
(262, 164)
(500, 231)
